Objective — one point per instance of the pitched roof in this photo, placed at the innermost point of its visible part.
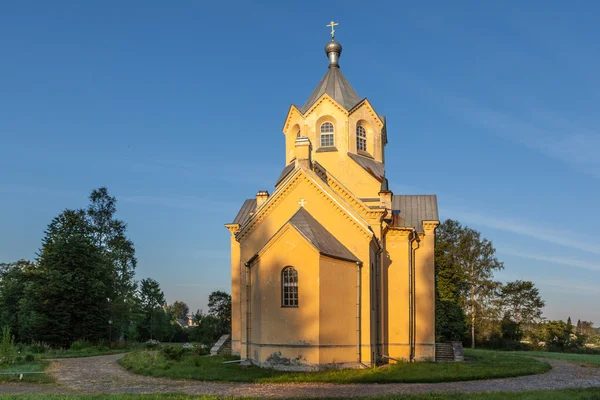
(412, 210)
(286, 171)
(320, 237)
(335, 84)
(373, 167)
(245, 212)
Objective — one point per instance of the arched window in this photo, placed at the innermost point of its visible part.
(289, 287)
(361, 138)
(327, 132)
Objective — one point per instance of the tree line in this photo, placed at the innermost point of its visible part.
(474, 308)
(82, 287)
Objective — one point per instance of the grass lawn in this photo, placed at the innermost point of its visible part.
(593, 359)
(34, 366)
(571, 394)
(89, 352)
(485, 365)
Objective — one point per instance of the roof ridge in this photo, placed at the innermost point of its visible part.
(335, 84)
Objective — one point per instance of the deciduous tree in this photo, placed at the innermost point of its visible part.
(522, 300)
(219, 306)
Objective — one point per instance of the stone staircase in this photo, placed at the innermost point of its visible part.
(449, 352)
(222, 347)
(444, 352)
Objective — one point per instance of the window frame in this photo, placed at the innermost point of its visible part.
(361, 138)
(289, 280)
(329, 135)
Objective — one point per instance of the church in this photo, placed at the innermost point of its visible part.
(332, 269)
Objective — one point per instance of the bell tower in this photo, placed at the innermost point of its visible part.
(346, 134)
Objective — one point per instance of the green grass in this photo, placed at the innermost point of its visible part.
(34, 366)
(593, 359)
(485, 365)
(89, 352)
(571, 394)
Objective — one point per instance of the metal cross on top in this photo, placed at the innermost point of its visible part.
(332, 25)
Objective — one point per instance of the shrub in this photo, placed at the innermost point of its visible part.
(19, 359)
(152, 344)
(29, 358)
(7, 347)
(80, 345)
(39, 347)
(173, 353)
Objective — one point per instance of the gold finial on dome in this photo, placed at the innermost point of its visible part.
(333, 49)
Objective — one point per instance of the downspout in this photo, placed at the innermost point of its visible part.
(358, 313)
(411, 297)
(248, 309)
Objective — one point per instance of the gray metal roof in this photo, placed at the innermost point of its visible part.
(335, 84)
(320, 237)
(244, 214)
(286, 171)
(412, 210)
(373, 167)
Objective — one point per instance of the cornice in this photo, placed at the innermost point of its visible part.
(233, 228)
(430, 226)
(371, 111)
(323, 98)
(286, 124)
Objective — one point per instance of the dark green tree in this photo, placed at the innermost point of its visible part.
(67, 294)
(109, 235)
(587, 328)
(179, 309)
(450, 284)
(12, 290)
(154, 318)
(208, 331)
(219, 306)
(522, 300)
(466, 264)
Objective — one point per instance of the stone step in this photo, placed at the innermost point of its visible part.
(222, 347)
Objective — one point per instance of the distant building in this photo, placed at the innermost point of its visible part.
(186, 322)
(332, 267)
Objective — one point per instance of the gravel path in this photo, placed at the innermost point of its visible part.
(104, 375)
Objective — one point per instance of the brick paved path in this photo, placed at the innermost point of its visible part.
(104, 375)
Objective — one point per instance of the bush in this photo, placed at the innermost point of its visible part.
(173, 353)
(19, 359)
(29, 358)
(7, 347)
(39, 347)
(80, 345)
(152, 344)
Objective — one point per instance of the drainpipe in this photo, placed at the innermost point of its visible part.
(358, 319)
(248, 309)
(412, 297)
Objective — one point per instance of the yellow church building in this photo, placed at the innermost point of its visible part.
(332, 268)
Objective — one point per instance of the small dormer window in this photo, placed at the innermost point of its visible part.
(327, 134)
(361, 138)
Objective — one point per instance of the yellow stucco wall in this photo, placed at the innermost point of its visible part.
(425, 295)
(340, 311)
(359, 181)
(396, 263)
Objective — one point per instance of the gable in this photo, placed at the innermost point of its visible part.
(312, 186)
(320, 237)
(311, 231)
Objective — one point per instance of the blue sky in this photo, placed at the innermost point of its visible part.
(177, 108)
